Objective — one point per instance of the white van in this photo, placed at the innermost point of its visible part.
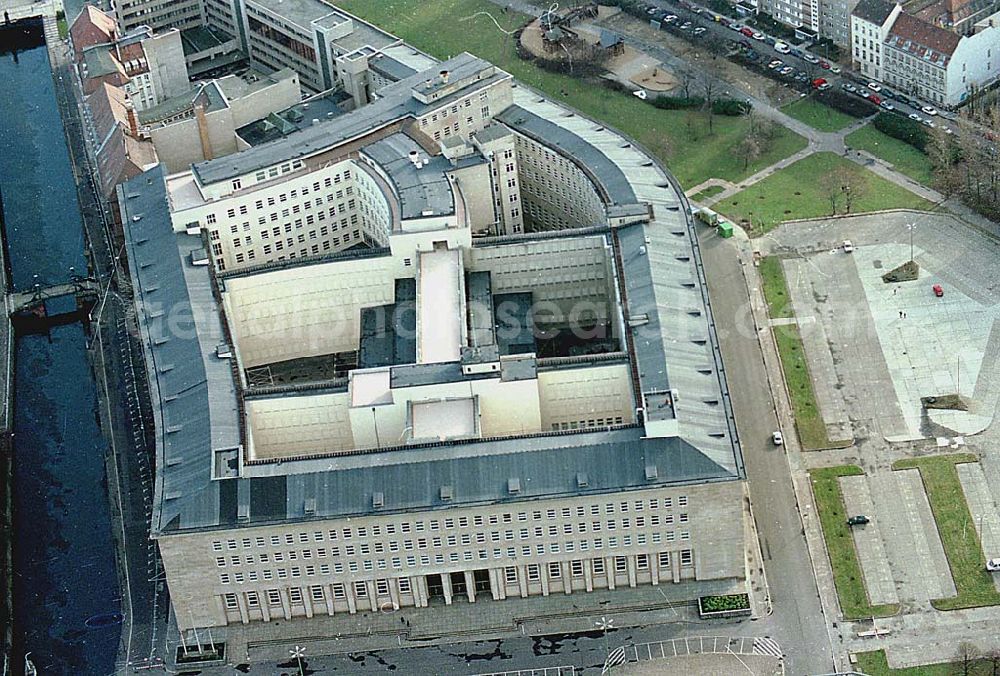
(782, 48)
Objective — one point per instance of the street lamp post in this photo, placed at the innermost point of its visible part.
(604, 624)
(911, 227)
(298, 652)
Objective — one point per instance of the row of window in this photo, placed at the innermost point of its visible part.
(449, 523)
(411, 561)
(451, 540)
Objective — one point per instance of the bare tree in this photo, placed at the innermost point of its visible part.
(967, 654)
(709, 87)
(995, 662)
(687, 79)
(833, 188)
(749, 149)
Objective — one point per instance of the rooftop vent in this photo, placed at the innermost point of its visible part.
(378, 500)
(444, 76)
(582, 480)
(310, 506)
(513, 485)
(222, 351)
(243, 512)
(651, 473)
(447, 493)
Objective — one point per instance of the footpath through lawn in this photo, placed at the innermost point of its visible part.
(956, 529)
(847, 575)
(679, 138)
(815, 187)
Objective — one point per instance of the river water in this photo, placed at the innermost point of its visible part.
(64, 549)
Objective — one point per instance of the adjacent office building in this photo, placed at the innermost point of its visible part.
(446, 402)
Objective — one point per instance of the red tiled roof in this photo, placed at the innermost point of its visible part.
(922, 39)
(92, 27)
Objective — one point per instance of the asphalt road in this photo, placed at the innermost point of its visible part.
(797, 623)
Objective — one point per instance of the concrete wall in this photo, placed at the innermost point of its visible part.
(305, 311)
(299, 425)
(706, 543)
(167, 67)
(568, 277)
(591, 396)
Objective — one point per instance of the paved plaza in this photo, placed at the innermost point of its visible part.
(875, 349)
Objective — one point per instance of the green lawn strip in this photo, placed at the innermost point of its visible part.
(680, 138)
(779, 302)
(817, 115)
(803, 190)
(902, 156)
(710, 191)
(874, 663)
(808, 420)
(956, 529)
(63, 28)
(847, 575)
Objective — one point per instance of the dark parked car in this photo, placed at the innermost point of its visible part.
(858, 520)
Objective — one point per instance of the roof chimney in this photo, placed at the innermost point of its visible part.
(444, 76)
(133, 121)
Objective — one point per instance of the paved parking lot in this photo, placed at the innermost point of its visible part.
(875, 349)
(868, 541)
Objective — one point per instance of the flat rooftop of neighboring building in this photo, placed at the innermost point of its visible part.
(201, 38)
(423, 191)
(396, 102)
(317, 109)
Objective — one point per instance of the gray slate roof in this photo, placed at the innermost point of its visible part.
(590, 159)
(420, 190)
(873, 11)
(192, 390)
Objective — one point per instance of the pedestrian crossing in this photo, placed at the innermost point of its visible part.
(766, 646)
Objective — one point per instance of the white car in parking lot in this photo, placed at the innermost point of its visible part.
(782, 48)
(929, 110)
(875, 86)
(915, 117)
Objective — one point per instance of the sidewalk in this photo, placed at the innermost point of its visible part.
(463, 621)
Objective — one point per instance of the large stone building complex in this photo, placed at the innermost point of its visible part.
(454, 344)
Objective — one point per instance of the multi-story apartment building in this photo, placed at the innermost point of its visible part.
(149, 67)
(835, 20)
(800, 14)
(870, 24)
(434, 416)
(919, 58)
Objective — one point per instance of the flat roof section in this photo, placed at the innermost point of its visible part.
(439, 306)
(444, 419)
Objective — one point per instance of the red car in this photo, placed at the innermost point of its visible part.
(938, 291)
(824, 65)
(747, 32)
(820, 83)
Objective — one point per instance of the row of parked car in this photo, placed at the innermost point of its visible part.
(883, 97)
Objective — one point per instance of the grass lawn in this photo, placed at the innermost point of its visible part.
(874, 663)
(957, 531)
(803, 190)
(847, 576)
(817, 115)
(680, 138)
(710, 191)
(808, 419)
(63, 28)
(905, 158)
